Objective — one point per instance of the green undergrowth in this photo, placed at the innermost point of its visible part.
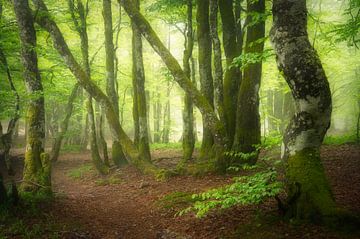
(108, 180)
(176, 200)
(30, 219)
(81, 171)
(172, 145)
(340, 139)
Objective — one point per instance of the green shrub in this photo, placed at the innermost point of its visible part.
(245, 190)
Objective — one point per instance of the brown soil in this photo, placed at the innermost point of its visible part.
(129, 208)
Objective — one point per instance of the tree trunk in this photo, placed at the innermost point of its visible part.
(64, 124)
(139, 87)
(188, 139)
(248, 131)
(206, 80)
(232, 78)
(167, 116)
(157, 116)
(60, 45)
(309, 194)
(117, 154)
(218, 70)
(37, 163)
(95, 155)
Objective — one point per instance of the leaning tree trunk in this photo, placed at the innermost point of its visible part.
(188, 139)
(206, 80)
(139, 91)
(248, 132)
(309, 194)
(117, 154)
(37, 162)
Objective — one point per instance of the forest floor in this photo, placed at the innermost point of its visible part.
(127, 204)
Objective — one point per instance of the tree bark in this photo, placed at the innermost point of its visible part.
(248, 131)
(37, 163)
(205, 72)
(118, 156)
(232, 79)
(188, 139)
(309, 194)
(218, 70)
(139, 92)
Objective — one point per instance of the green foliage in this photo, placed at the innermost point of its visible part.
(247, 59)
(274, 139)
(350, 30)
(80, 172)
(239, 157)
(245, 190)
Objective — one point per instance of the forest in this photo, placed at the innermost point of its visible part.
(179, 119)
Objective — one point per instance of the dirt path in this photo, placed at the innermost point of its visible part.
(127, 206)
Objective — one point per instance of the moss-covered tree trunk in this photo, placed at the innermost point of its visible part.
(218, 69)
(205, 70)
(248, 133)
(232, 78)
(309, 194)
(139, 91)
(64, 124)
(37, 162)
(117, 154)
(188, 139)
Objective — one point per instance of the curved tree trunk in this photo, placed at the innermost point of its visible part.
(309, 194)
(205, 72)
(37, 162)
(118, 156)
(248, 132)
